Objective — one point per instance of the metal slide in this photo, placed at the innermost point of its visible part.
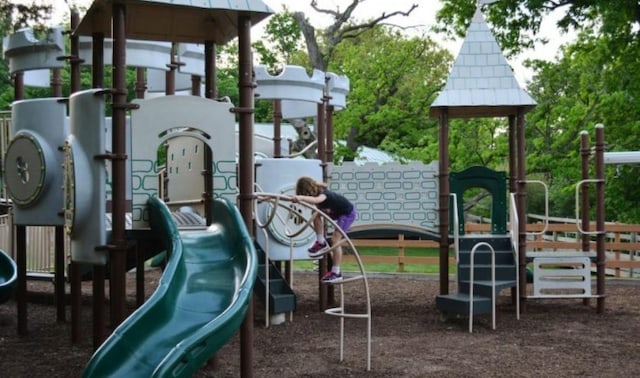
(200, 303)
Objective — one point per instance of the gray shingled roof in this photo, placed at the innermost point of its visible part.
(481, 82)
(193, 21)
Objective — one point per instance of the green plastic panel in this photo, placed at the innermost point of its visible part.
(493, 182)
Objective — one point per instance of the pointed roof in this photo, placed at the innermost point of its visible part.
(481, 82)
(191, 21)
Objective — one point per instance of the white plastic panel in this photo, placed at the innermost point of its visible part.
(159, 119)
(156, 81)
(147, 54)
(38, 78)
(279, 176)
(33, 160)
(338, 86)
(25, 52)
(561, 277)
(293, 83)
(191, 58)
(85, 208)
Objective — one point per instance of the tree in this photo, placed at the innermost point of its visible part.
(14, 16)
(587, 86)
(393, 81)
(321, 47)
(516, 23)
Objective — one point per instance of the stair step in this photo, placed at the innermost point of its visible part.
(459, 303)
(483, 288)
(281, 296)
(502, 242)
(483, 272)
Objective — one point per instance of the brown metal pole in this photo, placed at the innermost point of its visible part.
(513, 161)
(277, 128)
(325, 293)
(443, 211)
(21, 285)
(195, 85)
(246, 170)
(97, 67)
(584, 199)
(329, 121)
(521, 199)
(56, 82)
(210, 87)
(211, 91)
(21, 238)
(600, 216)
(321, 131)
(59, 280)
(99, 271)
(119, 244)
(170, 75)
(141, 83)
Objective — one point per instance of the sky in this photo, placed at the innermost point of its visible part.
(419, 22)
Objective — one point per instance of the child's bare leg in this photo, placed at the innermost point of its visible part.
(318, 225)
(337, 251)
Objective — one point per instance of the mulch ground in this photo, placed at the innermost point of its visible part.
(410, 338)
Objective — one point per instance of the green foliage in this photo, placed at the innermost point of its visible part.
(517, 23)
(587, 86)
(393, 80)
(14, 15)
(282, 40)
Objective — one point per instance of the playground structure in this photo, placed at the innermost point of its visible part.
(421, 195)
(84, 150)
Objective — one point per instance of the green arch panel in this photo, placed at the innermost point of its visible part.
(494, 182)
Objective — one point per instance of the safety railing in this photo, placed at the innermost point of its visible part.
(578, 220)
(493, 284)
(546, 207)
(515, 245)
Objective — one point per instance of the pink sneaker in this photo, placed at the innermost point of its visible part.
(332, 277)
(318, 249)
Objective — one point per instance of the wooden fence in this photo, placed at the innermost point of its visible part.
(40, 245)
(622, 246)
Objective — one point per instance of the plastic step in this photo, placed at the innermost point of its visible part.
(459, 303)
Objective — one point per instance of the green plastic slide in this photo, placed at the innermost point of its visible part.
(200, 303)
(8, 276)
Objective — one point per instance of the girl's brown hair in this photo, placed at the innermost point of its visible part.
(307, 186)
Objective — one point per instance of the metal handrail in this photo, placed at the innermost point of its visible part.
(515, 245)
(546, 207)
(456, 226)
(578, 221)
(493, 284)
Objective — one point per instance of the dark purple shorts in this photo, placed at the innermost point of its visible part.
(345, 221)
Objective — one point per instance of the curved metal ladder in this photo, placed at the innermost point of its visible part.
(283, 201)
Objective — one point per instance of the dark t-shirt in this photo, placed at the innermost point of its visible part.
(335, 205)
